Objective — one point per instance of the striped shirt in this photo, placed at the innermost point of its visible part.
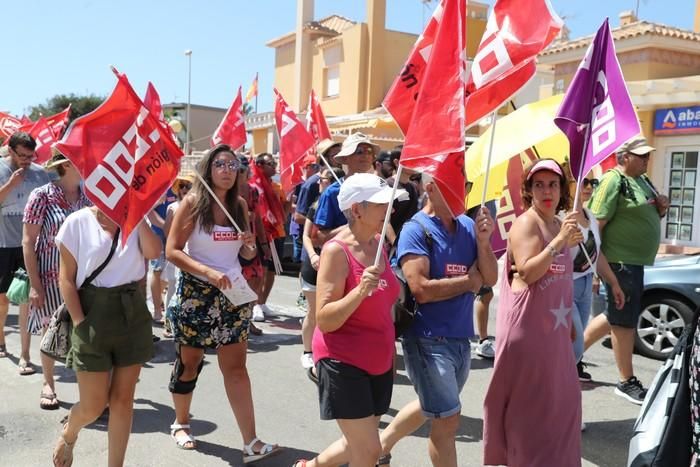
(47, 206)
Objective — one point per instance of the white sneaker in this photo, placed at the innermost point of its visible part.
(486, 349)
(266, 309)
(307, 360)
(258, 314)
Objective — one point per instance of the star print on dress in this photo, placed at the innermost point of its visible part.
(560, 315)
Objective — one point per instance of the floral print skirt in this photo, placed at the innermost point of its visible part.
(203, 317)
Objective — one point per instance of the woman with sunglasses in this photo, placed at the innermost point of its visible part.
(205, 245)
(583, 272)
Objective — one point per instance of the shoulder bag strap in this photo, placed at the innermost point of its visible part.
(99, 269)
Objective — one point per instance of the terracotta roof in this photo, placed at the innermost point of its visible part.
(329, 26)
(335, 23)
(629, 31)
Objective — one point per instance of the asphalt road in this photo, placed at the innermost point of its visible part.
(286, 407)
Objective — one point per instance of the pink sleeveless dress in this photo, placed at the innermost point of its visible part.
(532, 410)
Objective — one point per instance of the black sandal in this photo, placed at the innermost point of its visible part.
(384, 460)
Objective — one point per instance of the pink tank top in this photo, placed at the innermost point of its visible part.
(366, 339)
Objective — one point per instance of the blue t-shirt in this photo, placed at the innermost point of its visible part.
(162, 210)
(294, 227)
(308, 194)
(328, 214)
(450, 255)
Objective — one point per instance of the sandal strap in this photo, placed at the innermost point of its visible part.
(384, 460)
(178, 426)
(248, 448)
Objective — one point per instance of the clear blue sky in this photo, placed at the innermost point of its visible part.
(55, 47)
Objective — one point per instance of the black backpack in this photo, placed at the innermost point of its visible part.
(406, 306)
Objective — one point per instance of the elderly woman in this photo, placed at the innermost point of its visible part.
(353, 344)
(99, 277)
(46, 210)
(534, 376)
(207, 248)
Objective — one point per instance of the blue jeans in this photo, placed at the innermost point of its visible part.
(583, 296)
(297, 242)
(438, 368)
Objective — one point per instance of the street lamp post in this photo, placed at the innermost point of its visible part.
(188, 53)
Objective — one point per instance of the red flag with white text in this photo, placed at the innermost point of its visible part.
(59, 121)
(44, 136)
(231, 130)
(516, 32)
(125, 156)
(8, 124)
(434, 142)
(295, 144)
(315, 120)
(401, 98)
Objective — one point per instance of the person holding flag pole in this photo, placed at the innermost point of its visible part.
(212, 308)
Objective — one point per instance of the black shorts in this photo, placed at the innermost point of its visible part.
(11, 259)
(631, 279)
(347, 392)
(277, 244)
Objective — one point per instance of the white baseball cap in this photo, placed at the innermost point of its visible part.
(352, 142)
(366, 187)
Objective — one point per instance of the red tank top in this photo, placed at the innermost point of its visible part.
(366, 339)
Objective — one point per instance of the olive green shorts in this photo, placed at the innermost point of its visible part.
(116, 331)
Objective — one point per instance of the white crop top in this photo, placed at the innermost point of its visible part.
(217, 250)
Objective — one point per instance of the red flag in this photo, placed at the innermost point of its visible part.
(44, 136)
(152, 102)
(231, 130)
(295, 143)
(435, 138)
(315, 120)
(401, 98)
(59, 121)
(125, 156)
(269, 205)
(25, 120)
(8, 124)
(516, 32)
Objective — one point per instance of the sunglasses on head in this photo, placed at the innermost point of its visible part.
(593, 182)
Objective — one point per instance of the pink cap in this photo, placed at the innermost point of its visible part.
(546, 164)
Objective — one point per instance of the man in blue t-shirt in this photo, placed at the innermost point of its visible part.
(157, 219)
(445, 260)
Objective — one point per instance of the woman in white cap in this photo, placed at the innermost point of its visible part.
(353, 345)
(47, 208)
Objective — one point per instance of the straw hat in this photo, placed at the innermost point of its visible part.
(184, 177)
(56, 160)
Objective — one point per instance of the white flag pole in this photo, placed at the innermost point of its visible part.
(577, 197)
(330, 169)
(218, 201)
(494, 115)
(387, 216)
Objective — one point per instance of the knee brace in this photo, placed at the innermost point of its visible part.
(177, 386)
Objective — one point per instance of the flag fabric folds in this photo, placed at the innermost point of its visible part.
(126, 158)
(315, 120)
(516, 32)
(597, 114)
(434, 139)
(152, 102)
(59, 121)
(295, 144)
(253, 90)
(231, 130)
(8, 124)
(45, 137)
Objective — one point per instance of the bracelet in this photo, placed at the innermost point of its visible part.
(552, 251)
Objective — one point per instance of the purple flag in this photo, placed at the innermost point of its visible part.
(597, 106)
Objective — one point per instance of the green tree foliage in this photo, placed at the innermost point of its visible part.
(80, 105)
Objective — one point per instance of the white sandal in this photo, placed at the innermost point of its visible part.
(182, 439)
(249, 455)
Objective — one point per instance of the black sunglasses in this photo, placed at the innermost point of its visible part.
(593, 182)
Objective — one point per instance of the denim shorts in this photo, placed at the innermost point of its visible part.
(631, 279)
(438, 368)
(158, 264)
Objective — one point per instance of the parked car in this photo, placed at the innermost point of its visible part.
(671, 297)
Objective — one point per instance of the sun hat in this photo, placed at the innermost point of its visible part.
(325, 144)
(351, 142)
(637, 146)
(56, 160)
(366, 187)
(546, 164)
(176, 184)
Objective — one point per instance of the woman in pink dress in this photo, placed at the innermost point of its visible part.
(532, 411)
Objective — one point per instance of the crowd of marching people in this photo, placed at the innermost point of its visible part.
(213, 248)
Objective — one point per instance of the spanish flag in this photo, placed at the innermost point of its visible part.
(253, 90)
